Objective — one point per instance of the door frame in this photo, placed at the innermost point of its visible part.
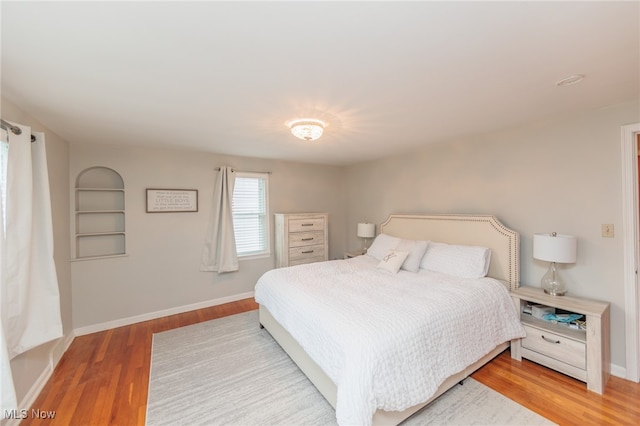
(630, 225)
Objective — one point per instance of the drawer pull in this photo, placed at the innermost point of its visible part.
(557, 342)
(307, 252)
(307, 239)
(306, 224)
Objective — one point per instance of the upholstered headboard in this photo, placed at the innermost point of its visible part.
(473, 230)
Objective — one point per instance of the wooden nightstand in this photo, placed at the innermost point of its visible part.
(579, 353)
(350, 254)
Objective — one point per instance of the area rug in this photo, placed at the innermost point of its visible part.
(228, 371)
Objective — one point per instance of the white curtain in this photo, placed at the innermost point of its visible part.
(219, 253)
(7, 391)
(30, 299)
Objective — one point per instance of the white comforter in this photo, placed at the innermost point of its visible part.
(387, 340)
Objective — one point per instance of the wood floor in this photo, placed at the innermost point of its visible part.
(102, 380)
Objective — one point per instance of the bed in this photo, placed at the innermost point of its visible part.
(380, 343)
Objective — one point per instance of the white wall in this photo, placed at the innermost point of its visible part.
(562, 176)
(161, 271)
(31, 368)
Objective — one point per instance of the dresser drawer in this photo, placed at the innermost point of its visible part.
(307, 252)
(302, 225)
(555, 346)
(300, 239)
(305, 260)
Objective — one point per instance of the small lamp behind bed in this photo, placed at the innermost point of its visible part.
(366, 231)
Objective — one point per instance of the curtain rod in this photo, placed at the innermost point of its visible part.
(217, 169)
(14, 129)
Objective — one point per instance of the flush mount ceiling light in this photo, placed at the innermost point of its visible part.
(568, 81)
(308, 129)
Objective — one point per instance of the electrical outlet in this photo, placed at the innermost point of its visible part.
(607, 230)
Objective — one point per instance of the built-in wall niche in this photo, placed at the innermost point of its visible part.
(100, 214)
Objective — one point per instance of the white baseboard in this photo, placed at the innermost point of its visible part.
(159, 314)
(618, 371)
(60, 348)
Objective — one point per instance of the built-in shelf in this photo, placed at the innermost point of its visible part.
(99, 214)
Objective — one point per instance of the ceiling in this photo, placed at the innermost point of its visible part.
(225, 77)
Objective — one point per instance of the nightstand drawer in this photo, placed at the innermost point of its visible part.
(299, 239)
(555, 346)
(307, 252)
(310, 224)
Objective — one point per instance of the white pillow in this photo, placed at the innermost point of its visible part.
(393, 260)
(416, 249)
(461, 261)
(381, 246)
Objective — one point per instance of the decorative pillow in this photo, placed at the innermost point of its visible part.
(393, 260)
(461, 261)
(416, 249)
(381, 246)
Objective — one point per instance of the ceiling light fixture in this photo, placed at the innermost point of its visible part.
(308, 129)
(568, 81)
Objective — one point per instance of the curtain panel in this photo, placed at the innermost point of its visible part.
(30, 300)
(219, 253)
(7, 391)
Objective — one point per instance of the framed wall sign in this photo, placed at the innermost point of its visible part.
(172, 200)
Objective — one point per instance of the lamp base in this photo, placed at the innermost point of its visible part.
(551, 282)
(555, 293)
(364, 247)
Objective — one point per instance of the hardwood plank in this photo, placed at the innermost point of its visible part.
(560, 398)
(103, 379)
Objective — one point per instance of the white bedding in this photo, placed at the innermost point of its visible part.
(387, 340)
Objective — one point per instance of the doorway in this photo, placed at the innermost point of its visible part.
(631, 246)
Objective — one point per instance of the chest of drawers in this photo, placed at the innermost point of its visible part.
(301, 238)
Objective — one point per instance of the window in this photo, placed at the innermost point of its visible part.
(250, 214)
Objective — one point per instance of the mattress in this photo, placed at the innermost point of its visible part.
(387, 340)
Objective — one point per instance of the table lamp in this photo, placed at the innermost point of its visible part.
(554, 248)
(366, 231)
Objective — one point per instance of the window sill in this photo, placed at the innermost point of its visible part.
(254, 257)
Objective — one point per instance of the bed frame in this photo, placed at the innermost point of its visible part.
(478, 230)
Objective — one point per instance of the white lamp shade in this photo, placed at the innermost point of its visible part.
(366, 230)
(559, 248)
